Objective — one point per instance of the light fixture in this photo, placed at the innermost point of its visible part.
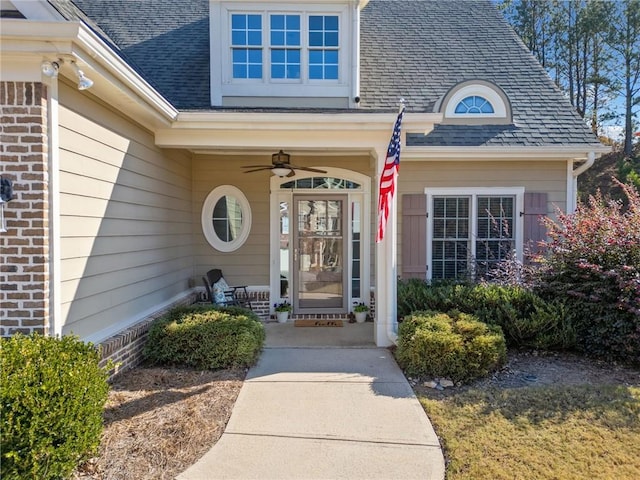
(83, 81)
(281, 171)
(279, 161)
(280, 157)
(50, 69)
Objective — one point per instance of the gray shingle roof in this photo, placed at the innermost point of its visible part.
(167, 41)
(420, 49)
(417, 49)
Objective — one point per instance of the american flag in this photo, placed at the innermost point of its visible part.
(388, 178)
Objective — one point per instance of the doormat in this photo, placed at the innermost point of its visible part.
(318, 323)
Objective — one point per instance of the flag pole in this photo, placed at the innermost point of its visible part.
(386, 243)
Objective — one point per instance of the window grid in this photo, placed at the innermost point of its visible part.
(246, 41)
(323, 47)
(495, 223)
(285, 33)
(450, 242)
(474, 105)
(355, 249)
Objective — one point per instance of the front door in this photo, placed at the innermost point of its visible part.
(320, 242)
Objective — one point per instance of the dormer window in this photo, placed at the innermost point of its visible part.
(246, 46)
(286, 51)
(285, 46)
(475, 102)
(264, 53)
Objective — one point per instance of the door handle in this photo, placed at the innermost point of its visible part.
(295, 254)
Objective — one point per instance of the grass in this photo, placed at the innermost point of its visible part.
(542, 432)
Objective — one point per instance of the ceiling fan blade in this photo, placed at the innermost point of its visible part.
(256, 166)
(307, 169)
(257, 169)
(291, 173)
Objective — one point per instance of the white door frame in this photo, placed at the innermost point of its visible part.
(363, 194)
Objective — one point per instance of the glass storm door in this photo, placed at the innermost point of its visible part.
(320, 254)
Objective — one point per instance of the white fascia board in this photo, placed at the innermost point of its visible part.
(257, 130)
(412, 122)
(543, 152)
(75, 41)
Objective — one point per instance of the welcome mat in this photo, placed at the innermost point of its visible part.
(318, 323)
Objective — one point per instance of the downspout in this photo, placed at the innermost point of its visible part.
(591, 158)
(53, 130)
(355, 63)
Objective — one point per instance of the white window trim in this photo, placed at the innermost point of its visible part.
(207, 216)
(224, 85)
(473, 193)
(499, 107)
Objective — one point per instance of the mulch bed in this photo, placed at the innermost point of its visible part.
(159, 421)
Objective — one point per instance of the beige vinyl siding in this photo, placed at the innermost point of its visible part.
(249, 265)
(125, 218)
(534, 176)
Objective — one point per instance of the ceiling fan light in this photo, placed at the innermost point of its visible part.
(281, 171)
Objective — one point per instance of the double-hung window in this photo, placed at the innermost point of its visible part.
(277, 47)
(246, 45)
(470, 232)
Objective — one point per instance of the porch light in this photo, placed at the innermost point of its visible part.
(50, 69)
(83, 82)
(281, 171)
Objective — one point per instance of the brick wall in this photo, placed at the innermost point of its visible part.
(125, 348)
(24, 247)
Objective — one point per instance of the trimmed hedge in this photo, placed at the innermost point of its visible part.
(206, 338)
(52, 393)
(526, 318)
(454, 345)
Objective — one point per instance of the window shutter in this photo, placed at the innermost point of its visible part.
(535, 206)
(414, 236)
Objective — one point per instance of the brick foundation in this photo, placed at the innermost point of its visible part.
(24, 247)
(125, 348)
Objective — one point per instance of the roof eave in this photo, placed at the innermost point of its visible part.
(74, 41)
(504, 152)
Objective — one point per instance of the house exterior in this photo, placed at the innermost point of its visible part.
(128, 191)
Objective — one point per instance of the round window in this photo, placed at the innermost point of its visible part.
(226, 218)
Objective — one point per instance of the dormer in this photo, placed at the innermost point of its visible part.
(285, 53)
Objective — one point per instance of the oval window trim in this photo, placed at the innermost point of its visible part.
(207, 218)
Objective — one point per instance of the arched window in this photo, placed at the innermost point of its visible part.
(474, 104)
(226, 218)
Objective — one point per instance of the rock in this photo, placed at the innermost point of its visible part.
(431, 384)
(446, 383)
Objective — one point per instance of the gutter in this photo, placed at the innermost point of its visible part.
(591, 158)
(572, 179)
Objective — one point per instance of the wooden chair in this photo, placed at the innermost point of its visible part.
(223, 294)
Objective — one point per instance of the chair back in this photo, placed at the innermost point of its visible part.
(214, 275)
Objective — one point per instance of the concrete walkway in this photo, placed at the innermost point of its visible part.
(324, 413)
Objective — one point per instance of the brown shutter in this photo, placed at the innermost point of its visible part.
(535, 206)
(414, 236)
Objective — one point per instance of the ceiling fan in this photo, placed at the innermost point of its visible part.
(281, 166)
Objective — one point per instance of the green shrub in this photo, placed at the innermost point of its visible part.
(593, 264)
(206, 338)
(454, 345)
(526, 319)
(52, 394)
(417, 295)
